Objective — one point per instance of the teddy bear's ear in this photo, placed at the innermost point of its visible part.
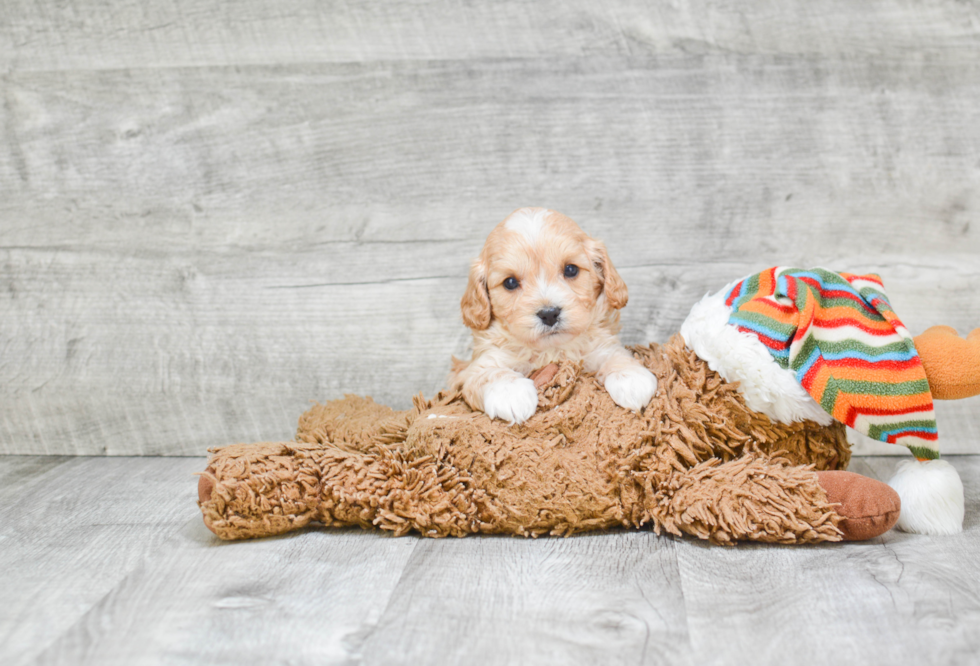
(612, 285)
(475, 304)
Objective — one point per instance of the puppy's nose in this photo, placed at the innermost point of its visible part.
(549, 316)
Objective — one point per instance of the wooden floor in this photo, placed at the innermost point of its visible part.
(106, 561)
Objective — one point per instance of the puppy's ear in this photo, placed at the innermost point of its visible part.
(612, 285)
(475, 304)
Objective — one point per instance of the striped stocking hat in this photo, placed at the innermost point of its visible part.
(839, 335)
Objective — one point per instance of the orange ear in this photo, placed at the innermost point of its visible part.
(952, 364)
(475, 304)
(612, 285)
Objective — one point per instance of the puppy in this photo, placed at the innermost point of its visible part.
(542, 291)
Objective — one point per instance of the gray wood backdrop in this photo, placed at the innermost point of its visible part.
(213, 212)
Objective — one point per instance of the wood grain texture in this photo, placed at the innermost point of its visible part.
(592, 599)
(16, 471)
(72, 530)
(212, 213)
(106, 561)
(88, 34)
(306, 600)
(793, 155)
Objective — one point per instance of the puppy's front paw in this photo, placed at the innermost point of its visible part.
(512, 400)
(631, 388)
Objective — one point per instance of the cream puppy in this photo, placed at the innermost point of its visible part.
(542, 291)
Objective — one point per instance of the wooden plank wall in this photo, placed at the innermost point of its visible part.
(214, 212)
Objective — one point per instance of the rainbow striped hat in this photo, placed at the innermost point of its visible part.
(847, 348)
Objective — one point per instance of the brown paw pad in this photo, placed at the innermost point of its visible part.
(205, 484)
(867, 507)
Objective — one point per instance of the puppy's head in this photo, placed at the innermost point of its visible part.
(542, 278)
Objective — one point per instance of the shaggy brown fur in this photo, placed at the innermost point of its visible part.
(696, 461)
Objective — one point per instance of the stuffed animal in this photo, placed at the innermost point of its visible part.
(743, 440)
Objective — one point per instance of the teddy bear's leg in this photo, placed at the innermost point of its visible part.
(397, 490)
(259, 490)
(256, 490)
(754, 499)
(867, 507)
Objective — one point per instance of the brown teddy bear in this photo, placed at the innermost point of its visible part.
(695, 461)
(743, 438)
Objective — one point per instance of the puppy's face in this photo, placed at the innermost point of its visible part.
(542, 279)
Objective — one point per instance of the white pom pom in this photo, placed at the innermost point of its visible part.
(932, 497)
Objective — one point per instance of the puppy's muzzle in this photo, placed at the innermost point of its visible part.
(549, 316)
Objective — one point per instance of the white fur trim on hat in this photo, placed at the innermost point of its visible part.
(741, 357)
(932, 497)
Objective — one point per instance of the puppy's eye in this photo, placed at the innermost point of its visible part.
(571, 270)
(511, 283)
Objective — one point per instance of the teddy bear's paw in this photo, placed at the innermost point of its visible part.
(631, 388)
(511, 399)
(867, 507)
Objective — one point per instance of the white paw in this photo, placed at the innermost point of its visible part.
(512, 400)
(631, 388)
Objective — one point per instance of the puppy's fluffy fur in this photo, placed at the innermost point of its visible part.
(534, 262)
